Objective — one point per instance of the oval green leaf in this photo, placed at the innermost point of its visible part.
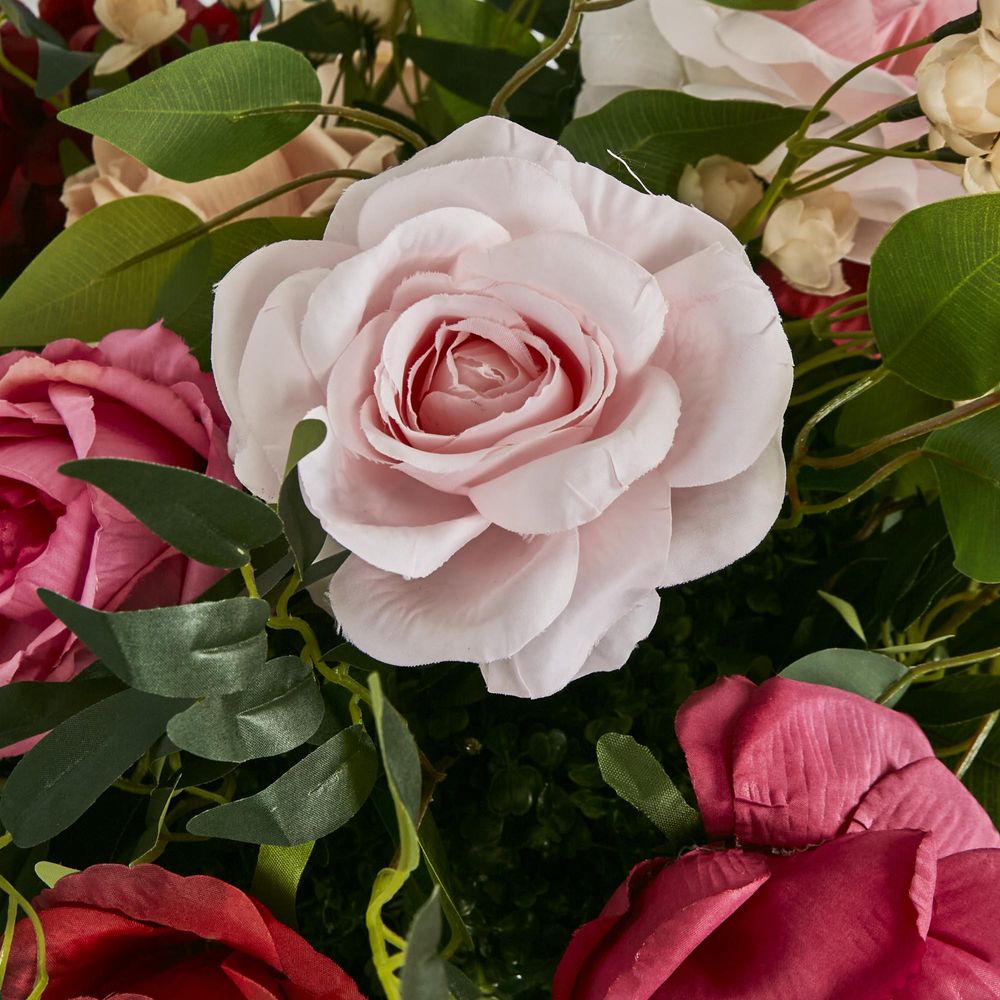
(856, 670)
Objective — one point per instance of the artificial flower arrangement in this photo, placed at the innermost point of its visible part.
(500, 499)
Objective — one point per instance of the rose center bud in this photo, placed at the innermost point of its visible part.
(25, 526)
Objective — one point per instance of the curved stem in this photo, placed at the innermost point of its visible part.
(805, 397)
(8, 938)
(42, 976)
(870, 483)
(808, 148)
(932, 667)
(982, 733)
(369, 118)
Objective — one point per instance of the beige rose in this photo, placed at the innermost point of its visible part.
(982, 173)
(958, 83)
(991, 15)
(807, 239)
(139, 24)
(117, 175)
(723, 188)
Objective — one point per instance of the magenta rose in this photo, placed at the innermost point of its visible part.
(144, 933)
(864, 871)
(547, 394)
(136, 394)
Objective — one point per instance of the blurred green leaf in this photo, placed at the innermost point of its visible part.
(847, 612)
(424, 976)
(320, 27)
(953, 699)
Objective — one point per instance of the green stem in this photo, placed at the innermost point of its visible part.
(42, 977)
(870, 483)
(829, 357)
(351, 114)
(8, 938)
(805, 397)
(249, 580)
(805, 149)
(982, 733)
(932, 667)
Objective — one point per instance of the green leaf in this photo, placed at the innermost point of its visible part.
(637, 776)
(276, 878)
(58, 67)
(399, 752)
(435, 859)
(50, 873)
(148, 848)
(981, 631)
(460, 985)
(202, 517)
(936, 315)
(61, 777)
(302, 528)
(966, 458)
(313, 798)
(475, 24)
(278, 711)
(888, 406)
(424, 975)
(847, 612)
(857, 670)
(210, 648)
(27, 24)
(188, 120)
(953, 699)
(83, 281)
(658, 132)
(28, 708)
(318, 28)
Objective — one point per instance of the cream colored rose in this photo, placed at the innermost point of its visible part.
(723, 188)
(958, 83)
(991, 15)
(982, 173)
(807, 239)
(117, 175)
(139, 24)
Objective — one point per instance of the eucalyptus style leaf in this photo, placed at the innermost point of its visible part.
(936, 316)
(399, 752)
(658, 132)
(424, 975)
(313, 798)
(59, 66)
(460, 985)
(28, 708)
(857, 670)
(966, 458)
(90, 278)
(953, 699)
(637, 776)
(194, 118)
(61, 777)
(210, 648)
(202, 517)
(302, 528)
(278, 711)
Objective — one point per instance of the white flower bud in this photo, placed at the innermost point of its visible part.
(958, 84)
(720, 187)
(807, 238)
(991, 15)
(982, 173)
(140, 24)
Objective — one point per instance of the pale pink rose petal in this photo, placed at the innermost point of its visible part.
(487, 602)
(727, 351)
(716, 525)
(925, 795)
(384, 517)
(618, 572)
(522, 196)
(577, 484)
(618, 642)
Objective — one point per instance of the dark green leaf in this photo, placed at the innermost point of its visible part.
(188, 120)
(399, 751)
(856, 670)
(61, 777)
(953, 699)
(83, 281)
(326, 567)
(966, 458)
(58, 67)
(436, 861)
(27, 24)
(473, 24)
(28, 708)
(202, 517)
(936, 316)
(658, 132)
(302, 528)
(981, 631)
(145, 849)
(637, 776)
(279, 710)
(460, 985)
(424, 976)
(313, 798)
(318, 28)
(188, 651)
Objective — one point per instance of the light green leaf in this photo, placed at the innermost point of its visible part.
(424, 975)
(81, 283)
(857, 670)
(50, 873)
(936, 315)
(846, 611)
(188, 119)
(314, 797)
(278, 711)
(276, 878)
(148, 847)
(204, 518)
(658, 132)
(60, 778)
(399, 752)
(966, 458)
(638, 777)
(215, 647)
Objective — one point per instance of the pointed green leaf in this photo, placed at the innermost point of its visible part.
(215, 647)
(186, 120)
(846, 611)
(202, 517)
(50, 873)
(399, 751)
(858, 670)
(424, 975)
(302, 528)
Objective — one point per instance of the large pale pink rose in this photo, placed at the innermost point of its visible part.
(135, 394)
(547, 394)
(787, 58)
(864, 871)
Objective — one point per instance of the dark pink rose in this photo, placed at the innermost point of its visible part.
(864, 870)
(136, 394)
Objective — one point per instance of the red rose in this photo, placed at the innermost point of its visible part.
(865, 870)
(145, 933)
(801, 305)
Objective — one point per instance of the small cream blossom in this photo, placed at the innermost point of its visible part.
(721, 187)
(982, 173)
(991, 15)
(140, 25)
(807, 239)
(958, 84)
